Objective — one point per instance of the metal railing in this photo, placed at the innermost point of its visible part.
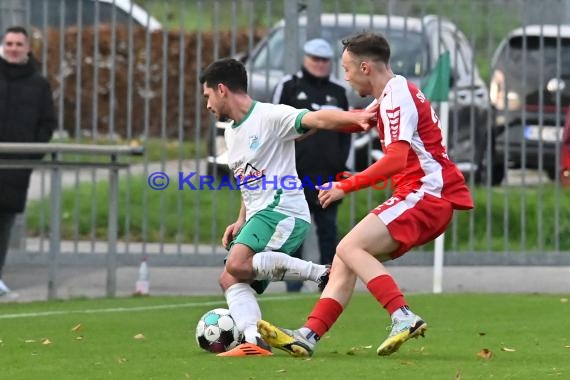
(56, 165)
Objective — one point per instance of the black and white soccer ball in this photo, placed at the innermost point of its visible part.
(217, 332)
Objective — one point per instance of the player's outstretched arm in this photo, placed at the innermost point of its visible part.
(381, 171)
(334, 119)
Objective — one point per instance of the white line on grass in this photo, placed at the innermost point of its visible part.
(141, 308)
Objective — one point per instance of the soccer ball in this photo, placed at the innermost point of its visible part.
(217, 331)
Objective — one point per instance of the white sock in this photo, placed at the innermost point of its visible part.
(3, 287)
(310, 335)
(403, 313)
(279, 266)
(244, 310)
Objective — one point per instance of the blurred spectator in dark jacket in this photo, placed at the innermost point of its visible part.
(27, 115)
(322, 155)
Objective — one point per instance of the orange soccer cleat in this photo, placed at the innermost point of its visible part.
(250, 349)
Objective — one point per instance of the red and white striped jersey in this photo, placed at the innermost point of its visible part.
(406, 115)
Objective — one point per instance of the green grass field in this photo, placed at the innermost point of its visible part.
(37, 341)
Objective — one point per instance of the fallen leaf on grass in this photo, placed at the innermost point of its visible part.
(46, 341)
(30, 341)
(139, 337)
(506, 349)
(77, 327)
(121, 360)
(458, 375)
(485, 353)
(566, 346)
(421, 349)
(353, 350)
(556, 371)
(281, 370)
(79, 337)
(563, 300)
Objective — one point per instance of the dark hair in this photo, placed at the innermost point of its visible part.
(17, 29)
(369, 45)
(228, 72)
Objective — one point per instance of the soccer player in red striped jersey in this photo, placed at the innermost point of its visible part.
(428, 188)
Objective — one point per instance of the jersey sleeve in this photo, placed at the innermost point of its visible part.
(399, 117)
(286, 121)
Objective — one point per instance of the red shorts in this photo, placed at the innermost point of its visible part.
(415, 219)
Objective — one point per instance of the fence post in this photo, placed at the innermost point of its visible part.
(291, 60)
(55, 233)
(314, 15)
(17, 241)
(112, 232)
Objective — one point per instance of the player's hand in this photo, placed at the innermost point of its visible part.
(231, 232)
(332, 193)
(373, 121)
(366, 118)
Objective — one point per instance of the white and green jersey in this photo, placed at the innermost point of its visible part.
(261, 155)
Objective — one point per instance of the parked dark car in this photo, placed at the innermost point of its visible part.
(530, 94)
(416, 45)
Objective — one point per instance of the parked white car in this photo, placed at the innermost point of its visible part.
(123, 10)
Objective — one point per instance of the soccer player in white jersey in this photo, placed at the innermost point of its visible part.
(274, 215)
(428, 188)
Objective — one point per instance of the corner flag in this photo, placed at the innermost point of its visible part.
(436, 86)
(436, 89)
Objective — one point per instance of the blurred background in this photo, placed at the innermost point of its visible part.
(125, 73)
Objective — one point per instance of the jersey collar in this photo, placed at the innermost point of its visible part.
(235, 125)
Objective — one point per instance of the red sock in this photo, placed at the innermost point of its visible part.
(385, 290)
(324, 315)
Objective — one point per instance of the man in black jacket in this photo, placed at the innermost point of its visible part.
(26, 115)
(322, 156)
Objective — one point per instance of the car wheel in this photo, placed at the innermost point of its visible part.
(497, 172)
(497, 166)
(551, 173)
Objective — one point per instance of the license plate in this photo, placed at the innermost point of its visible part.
(551, 134)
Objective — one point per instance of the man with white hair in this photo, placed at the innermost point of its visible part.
(323, 155)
